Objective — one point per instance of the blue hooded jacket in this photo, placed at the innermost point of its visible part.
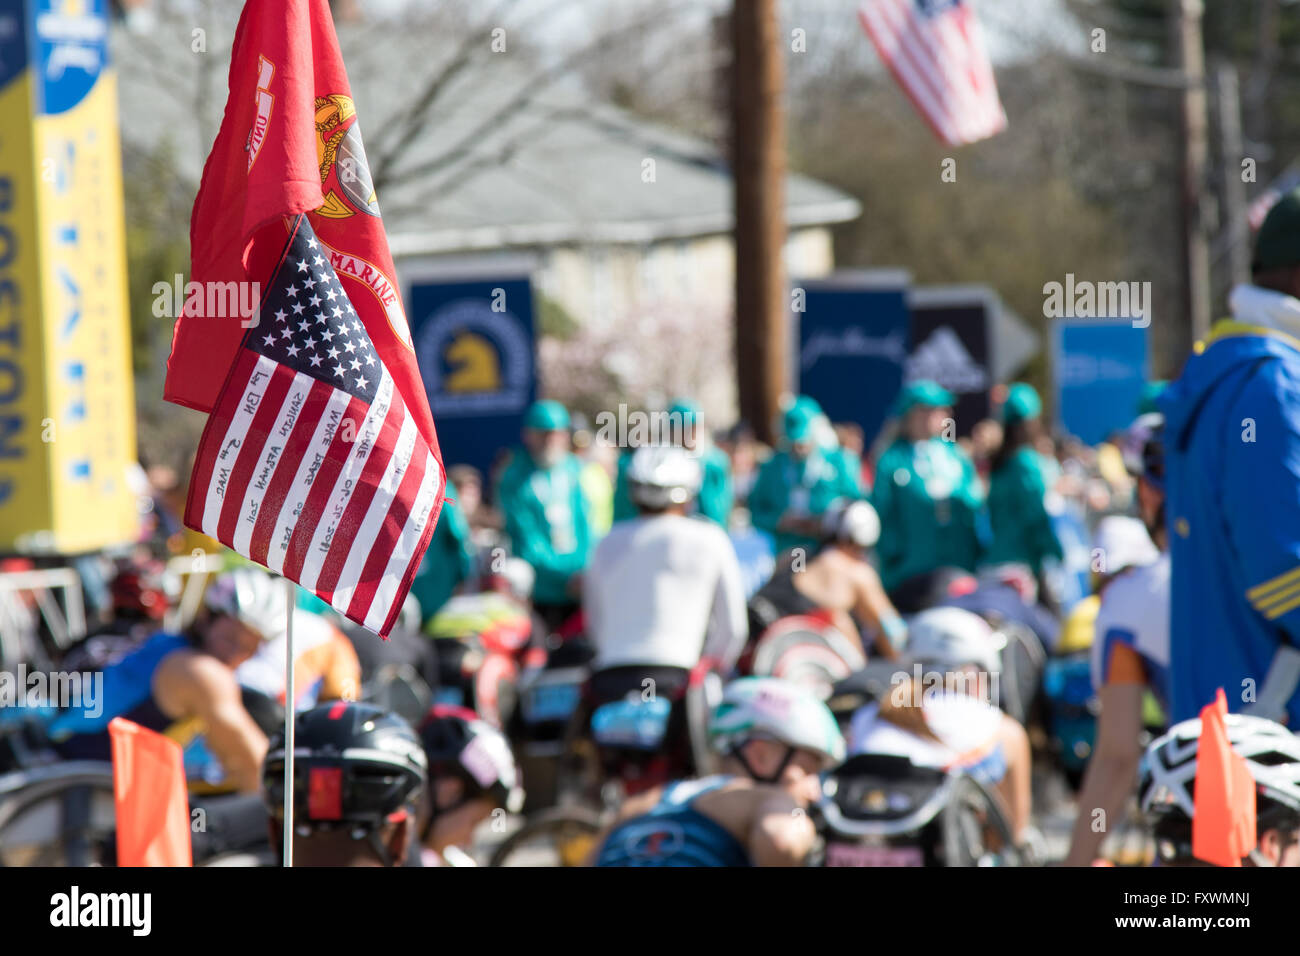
(1232, 507)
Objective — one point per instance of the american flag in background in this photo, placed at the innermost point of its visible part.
(936, 52)
(1265, 201)
(311, 463)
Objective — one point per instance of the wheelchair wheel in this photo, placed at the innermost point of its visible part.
(60, 815)
(808, 652)
(559, 836)
(975, 829)
(1023, 662)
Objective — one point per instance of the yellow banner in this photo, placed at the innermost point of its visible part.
(67, 409)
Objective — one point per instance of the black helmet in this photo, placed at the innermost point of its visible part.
(458, 743)
(354, 765)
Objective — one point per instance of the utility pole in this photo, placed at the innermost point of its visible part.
(758, 173)
(1190, 51)
(1234, 187)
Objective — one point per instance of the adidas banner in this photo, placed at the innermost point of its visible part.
(950, 345)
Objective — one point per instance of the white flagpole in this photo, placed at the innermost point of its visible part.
(288, 725)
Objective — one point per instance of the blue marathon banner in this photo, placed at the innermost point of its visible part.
(1100, 366)
(474, 341)
(853, 344)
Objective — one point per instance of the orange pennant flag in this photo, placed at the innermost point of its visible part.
(153, 810)
(1223, 827)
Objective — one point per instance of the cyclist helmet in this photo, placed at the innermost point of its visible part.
(355, 766)
(1167, 777)
(662, 475)
(951, 637)
(855, 522)
(773, 708)
(458, 743)
(252, 597)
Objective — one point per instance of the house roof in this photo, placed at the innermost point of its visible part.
(502, 162)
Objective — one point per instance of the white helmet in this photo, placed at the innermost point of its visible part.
(1168, 768)
(519, 576)
(1124, 542)
(663, 475)
(776, 708)
(251, 596)
(852, 521)
(951, 637)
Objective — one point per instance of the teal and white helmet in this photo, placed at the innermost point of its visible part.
(778, 709)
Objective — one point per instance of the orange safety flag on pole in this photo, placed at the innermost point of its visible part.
(153, 810)
(1223, 826)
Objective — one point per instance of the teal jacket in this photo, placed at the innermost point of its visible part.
(929, 498)
(714, 500)
(808, 487)
(1022, 528)
(547, 522)
(448, 562)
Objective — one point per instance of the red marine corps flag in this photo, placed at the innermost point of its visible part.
(319, 459)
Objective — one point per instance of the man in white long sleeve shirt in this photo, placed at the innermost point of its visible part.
(662, 590)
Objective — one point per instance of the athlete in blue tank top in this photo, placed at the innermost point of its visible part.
(774, 738)
(185, 687)
(674, 833)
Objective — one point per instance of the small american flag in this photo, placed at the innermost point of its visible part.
(311, 464)
(936, 52)
(1265, 201)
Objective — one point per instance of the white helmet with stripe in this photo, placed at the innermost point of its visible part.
(1167, 773)
(777, 709)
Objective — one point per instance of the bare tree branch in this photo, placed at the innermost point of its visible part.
(413, 120)
(530, 90)
(496, 159)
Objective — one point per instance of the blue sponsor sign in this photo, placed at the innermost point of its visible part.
(1100, 367)
(71, 50)
(756, 556)
(854, 339)
(474, 342)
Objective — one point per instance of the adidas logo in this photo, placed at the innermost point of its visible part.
(942, 358)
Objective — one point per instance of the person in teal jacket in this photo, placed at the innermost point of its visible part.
(1018, 487)
(927, 492)
(800, 481)
(715, 498)
(540, 494)
(449, 561)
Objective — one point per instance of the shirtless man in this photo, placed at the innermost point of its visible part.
(836, 583)
(177, 683)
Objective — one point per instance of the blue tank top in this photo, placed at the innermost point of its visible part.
(126, 691)
(674, 833)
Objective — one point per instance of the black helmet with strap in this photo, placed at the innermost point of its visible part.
(355, 766)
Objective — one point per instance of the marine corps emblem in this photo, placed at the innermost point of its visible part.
(343, 166)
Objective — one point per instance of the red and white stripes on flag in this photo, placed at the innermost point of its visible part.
(311, 464)
(936, 52)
